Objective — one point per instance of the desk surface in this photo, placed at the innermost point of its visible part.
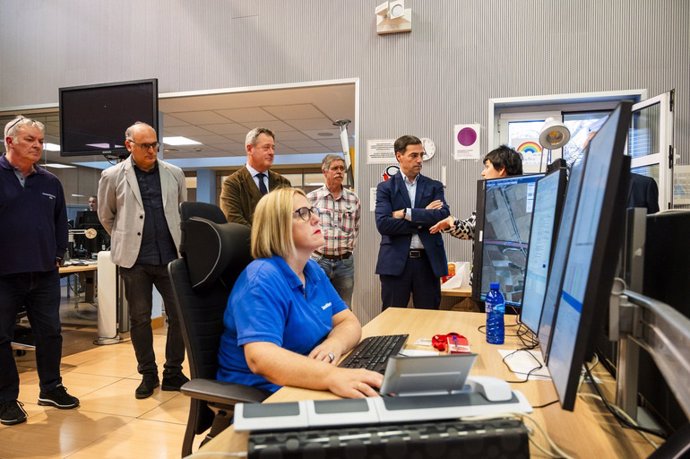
(589, 431)
(463, 292)
(72, 269)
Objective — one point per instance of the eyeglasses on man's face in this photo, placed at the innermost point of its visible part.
(146, 146)
(305, 213)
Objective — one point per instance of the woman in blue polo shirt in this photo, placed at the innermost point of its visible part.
(285, 324)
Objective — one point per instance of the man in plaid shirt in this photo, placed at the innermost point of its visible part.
(339, 210)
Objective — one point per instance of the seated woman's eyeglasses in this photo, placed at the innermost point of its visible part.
(305, 213)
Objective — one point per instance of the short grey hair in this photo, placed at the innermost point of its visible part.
(20, 121)
(328, 159)
(255, 133)
(128, 132)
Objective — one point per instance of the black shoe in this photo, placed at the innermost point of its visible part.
(12, 413)
(174, 382)
(145, 389)
(58, 398)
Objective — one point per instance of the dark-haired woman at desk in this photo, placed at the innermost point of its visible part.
(498, 163)
(285, 324)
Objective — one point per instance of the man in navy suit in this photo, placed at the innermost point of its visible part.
(411, 260)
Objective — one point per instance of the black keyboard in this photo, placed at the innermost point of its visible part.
(372, 353)
(438, 439)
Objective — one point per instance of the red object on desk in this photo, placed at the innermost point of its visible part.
(452, 343)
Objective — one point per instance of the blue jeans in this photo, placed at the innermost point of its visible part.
(342, 276)
(139, 282)
(40, 293)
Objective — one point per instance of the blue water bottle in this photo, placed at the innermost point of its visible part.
(495, 309)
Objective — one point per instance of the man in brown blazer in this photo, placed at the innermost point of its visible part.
(243, 189)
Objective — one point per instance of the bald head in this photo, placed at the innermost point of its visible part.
(141, 141)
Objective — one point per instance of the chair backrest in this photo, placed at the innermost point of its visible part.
(215, 255)
(189, 209)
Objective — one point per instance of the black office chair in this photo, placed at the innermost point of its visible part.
(214, 253)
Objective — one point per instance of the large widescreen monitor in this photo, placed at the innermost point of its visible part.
(560, 254)
(548, 202)
(93, 118)
(593, 253)
(504, 216)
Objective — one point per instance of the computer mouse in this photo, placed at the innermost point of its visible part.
(493, 389)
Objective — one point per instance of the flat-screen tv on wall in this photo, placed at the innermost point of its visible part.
(93, 118)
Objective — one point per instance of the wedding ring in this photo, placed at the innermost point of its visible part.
(331, 356)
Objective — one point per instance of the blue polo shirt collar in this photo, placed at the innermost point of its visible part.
(293, 280)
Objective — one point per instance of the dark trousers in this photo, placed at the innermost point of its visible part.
(40, 294)
(418, 279)
(139, 281)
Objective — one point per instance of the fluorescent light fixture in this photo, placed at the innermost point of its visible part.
(314, 184)
(59, 166)
(75, 195)
(178, 140)
(51, 146)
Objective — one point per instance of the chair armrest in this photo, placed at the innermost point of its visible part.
(213, 391)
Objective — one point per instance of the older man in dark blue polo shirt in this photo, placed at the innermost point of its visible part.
(33, 239)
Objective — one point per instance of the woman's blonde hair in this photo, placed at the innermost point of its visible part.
(272, 224)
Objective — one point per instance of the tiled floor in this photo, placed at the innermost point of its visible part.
(110, 422)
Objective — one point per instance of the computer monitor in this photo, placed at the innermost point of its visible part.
(93, 118)
(548, 203)
(504, 216)
(560, 255)
(593, 253)
(87, 219)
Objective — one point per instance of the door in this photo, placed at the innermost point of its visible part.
(650, 143)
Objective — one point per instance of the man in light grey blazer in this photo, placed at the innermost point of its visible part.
(138, 202)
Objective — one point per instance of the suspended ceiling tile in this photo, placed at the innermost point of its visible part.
(242, 115)
(312, 124)
(294, 112)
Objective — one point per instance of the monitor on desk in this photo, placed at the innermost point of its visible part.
(560, 255)
(83, 246)
(86, 219)
(588, 272)
(548, 202)
(504, 215)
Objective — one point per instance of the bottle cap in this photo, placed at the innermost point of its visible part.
(495, 285)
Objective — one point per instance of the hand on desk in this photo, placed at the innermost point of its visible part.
(326, 352)
(354, 383)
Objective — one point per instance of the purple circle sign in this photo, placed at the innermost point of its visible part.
(467, 136)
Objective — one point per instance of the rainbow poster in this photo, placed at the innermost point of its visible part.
(529, 147)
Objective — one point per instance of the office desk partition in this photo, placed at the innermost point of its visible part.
(589, 431)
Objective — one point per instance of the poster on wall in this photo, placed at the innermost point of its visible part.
(531, 154)
(466, 141)
(380, 151)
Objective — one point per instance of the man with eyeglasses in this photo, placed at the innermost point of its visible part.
(242, 190)
(33, 240)
(411, 259)
(138, 202)
(339, 210)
